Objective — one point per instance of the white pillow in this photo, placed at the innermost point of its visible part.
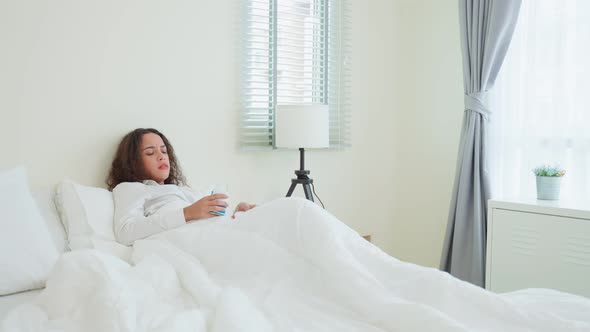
(87, 214)
(45, 199)
(26, 249)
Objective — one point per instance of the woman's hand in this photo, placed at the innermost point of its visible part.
(201, 208)
(243, 207)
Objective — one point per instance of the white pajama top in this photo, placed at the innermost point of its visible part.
(144, 209)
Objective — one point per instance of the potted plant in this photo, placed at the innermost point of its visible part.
(548, 181)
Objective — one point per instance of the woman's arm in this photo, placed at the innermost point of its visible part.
(130, 223)
(134, 226)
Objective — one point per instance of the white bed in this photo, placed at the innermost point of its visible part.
(9, 302)
(285, 266)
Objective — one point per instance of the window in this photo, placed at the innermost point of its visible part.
(542, 110)
(295, 52)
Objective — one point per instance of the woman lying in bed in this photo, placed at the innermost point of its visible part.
(149, 189)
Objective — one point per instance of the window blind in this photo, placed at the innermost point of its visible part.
(296, 52)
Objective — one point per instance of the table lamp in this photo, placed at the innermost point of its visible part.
(301, 127)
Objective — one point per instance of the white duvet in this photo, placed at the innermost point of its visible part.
(285, 266)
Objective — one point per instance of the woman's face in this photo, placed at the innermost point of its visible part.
(155, 158)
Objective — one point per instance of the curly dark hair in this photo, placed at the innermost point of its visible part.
(127, 165)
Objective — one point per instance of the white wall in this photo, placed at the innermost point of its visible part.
(77, 75)
(428, 125)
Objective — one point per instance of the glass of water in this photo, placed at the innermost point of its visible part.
(220, 189)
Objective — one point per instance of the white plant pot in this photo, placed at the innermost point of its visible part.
(548, 187)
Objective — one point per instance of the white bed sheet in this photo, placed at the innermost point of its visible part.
(9, 302)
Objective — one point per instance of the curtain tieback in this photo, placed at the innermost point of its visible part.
(476, 102)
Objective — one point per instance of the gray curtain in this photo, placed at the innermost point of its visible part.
(486, 28)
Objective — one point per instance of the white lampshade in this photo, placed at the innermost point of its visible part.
(302, 126)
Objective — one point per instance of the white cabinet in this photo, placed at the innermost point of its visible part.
(538, 244)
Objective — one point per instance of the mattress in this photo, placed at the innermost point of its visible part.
(8, 302)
